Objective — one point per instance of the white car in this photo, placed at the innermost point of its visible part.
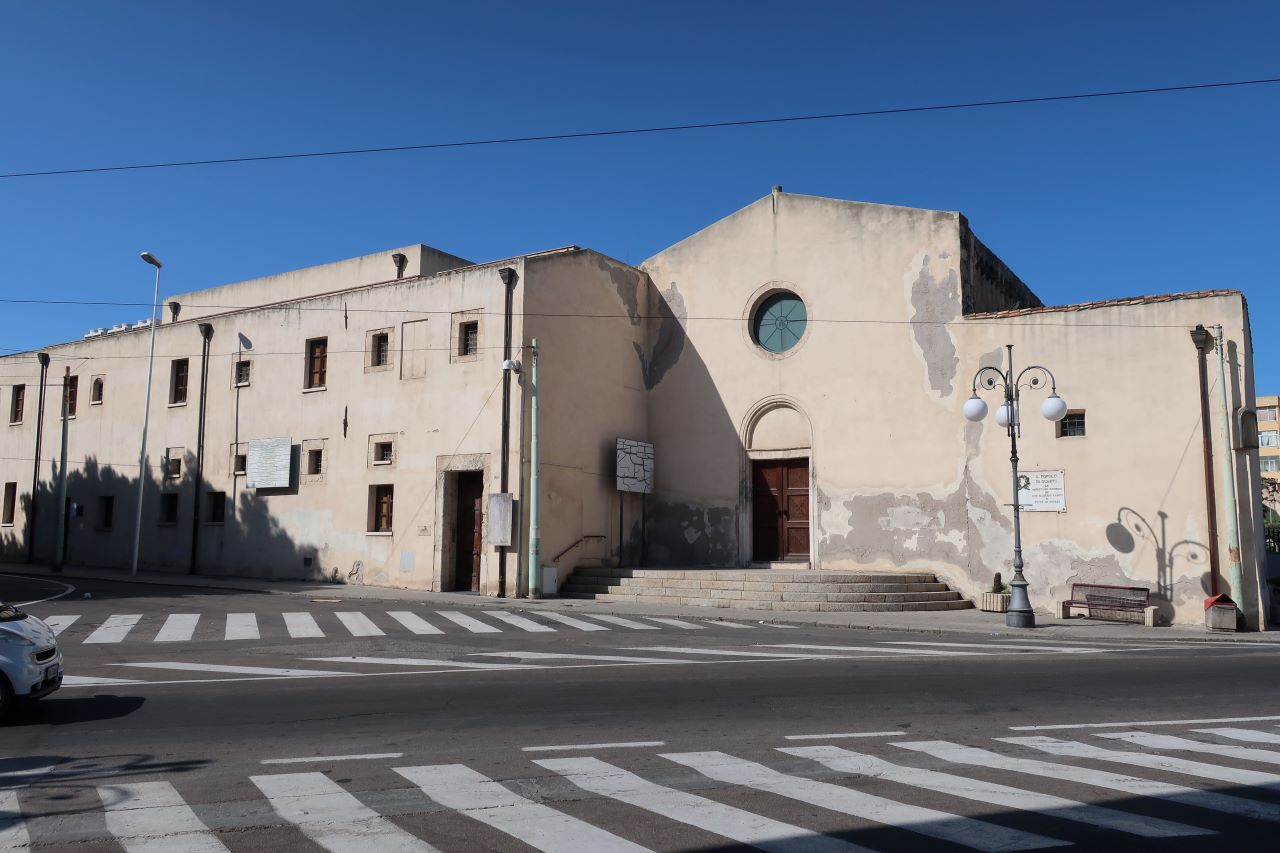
(30, 662)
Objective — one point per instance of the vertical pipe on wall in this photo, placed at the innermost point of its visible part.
(508, 276)
(1201, 338)
(60, 546)
(535, 570)
(206, 333)
(43, 358)
(1235, 573)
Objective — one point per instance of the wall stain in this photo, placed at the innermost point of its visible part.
(668, 341)
(936, 301)
(680, 534)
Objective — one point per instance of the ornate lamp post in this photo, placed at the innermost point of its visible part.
(1054, 408)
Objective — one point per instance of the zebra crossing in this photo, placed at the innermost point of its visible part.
(978, 798)
(192, 627)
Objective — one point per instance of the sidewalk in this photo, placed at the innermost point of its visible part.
(936, 622)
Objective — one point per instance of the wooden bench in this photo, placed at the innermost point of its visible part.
(1116, 603)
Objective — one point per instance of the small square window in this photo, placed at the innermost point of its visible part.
(96, 388)
(173, 463)
(383, 453)
(1266, 414)
(169, 508)
(106, 512)
(380, 506)
(10, 503)
(1270, 463)
(1072, 425)
(315, 462)
(380, 350)
(242, 373)
(469, 338)
(240, 463)
(216, 512)
(1269, 438)
(317, 362)
(17, 404)
(178, 373)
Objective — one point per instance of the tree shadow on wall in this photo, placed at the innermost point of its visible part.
(242, 539)
(1131, 527)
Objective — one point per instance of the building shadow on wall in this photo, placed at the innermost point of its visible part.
(1131, 528)
(237, 533)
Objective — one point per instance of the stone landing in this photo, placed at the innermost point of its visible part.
(767, 589)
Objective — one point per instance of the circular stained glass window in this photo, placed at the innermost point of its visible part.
(779, 322)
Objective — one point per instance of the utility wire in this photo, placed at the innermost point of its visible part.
(671, 128)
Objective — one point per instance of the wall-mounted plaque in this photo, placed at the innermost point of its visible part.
(1042, 491)
(635, 466)
(268, 464)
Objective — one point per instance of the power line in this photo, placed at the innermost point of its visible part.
(671, 128)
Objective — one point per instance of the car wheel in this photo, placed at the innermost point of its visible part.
(6, 697)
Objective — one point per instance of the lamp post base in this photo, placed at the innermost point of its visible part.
(1019, 614)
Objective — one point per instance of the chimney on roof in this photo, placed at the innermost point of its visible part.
(401, 262)
(777, 188)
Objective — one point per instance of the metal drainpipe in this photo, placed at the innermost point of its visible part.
(60, 545)
(43, 358)
(535, 570)
(1200, 337)
(509, 278)
(1235, 573)
(206, 332)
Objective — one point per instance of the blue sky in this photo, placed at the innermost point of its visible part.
(1085, 201)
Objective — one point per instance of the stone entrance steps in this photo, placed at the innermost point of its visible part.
(767, 589)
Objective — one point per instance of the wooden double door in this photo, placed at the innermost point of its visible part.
(779, 510)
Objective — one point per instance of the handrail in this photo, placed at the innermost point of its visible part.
(579, 541)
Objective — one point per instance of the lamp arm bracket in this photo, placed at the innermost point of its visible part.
(1037, 380)
(989, 377)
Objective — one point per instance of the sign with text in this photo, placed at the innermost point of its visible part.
(269, 463)
(1042, 491)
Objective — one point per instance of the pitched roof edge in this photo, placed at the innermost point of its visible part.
(1106, 303)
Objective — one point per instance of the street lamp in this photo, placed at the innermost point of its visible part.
(146, 412)
(1054, 408)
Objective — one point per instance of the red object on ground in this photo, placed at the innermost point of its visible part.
(1220, 598)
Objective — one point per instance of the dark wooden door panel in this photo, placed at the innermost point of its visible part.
(470, 525)
(795, 519)
(780, 509)
(766, 510)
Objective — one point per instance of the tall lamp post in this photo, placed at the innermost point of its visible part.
(1054, 408)
(146, 412)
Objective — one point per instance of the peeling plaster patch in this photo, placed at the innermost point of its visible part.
(669, 341)
(936, 301)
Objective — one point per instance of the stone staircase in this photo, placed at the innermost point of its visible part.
(766, 589)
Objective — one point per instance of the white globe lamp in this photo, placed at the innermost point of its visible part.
(1054, 408)
(975, 408)
(1005, 415)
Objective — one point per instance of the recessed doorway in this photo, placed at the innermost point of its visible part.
(464, 491)
(779, 510)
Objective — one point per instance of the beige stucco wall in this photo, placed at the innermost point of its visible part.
(900, 479)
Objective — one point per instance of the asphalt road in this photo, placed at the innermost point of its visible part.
(206, 720)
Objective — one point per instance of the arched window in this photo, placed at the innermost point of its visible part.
(95, 391)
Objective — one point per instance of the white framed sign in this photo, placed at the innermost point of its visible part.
(1042, 491)
(269, 463)
(635, 466)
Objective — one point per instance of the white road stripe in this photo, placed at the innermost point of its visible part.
(427, 662)
(1250, 735)
(880, 649)
(570, 656)
(94, 681)
(1076, 650)
(13, 829)
(179, 627)
(580, 624)
(843, 735)
(242, 626)
(729, 652)
(634, 744)
(1150, 741)
(151, 817)
(115, 629)
(519, 621)
(359, 625)
(327, 758)
(1198, 769)
(478, 797)
(624, 623)
(1143, 723)
(333, 818)
(413, 622)
(238, 670)
(728, 624)
(475, 626)
(1004, 796)
(968, 832)
(302, 625)
(774, 836)
(58, 624)
(676, 623)
(1133, 786)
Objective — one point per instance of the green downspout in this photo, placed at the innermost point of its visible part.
(535, 570)
(1234, 571)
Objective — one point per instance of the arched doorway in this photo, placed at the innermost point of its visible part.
(779, 473)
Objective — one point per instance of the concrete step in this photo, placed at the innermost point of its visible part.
(766, 589)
